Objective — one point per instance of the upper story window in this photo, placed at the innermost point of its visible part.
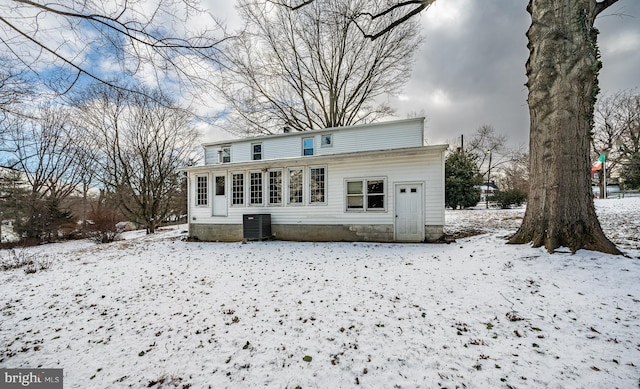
(307, 146)
(256, 151)
(326, 140)
(225, 154)
(201, 191)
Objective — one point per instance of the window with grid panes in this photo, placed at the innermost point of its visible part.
(317, 185)
(201, 191)
(275, 187)
(237, 189)
(295, 186)
(255, 188)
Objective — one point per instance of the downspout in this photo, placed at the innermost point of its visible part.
(188, 203)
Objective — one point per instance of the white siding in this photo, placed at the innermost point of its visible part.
(211, 155)
(426, 168)
(399, 135)
(378, 136)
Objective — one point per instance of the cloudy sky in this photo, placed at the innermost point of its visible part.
(470, 69)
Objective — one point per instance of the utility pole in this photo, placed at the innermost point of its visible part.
(486, 194)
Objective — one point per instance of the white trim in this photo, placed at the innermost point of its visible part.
(323, 137)
(324, 186)
(319, 159)
(214, 193)
(268, 187)
(244, 189)
(288, 186)
(313, 148)
(249, 188)
(421, 201)
(197, 191)
(253, 144)
(364, 181)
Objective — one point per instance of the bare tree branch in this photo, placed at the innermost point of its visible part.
(121, 33)
(313, 68)
(602, 5)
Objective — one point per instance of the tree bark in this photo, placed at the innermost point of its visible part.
(562, 75)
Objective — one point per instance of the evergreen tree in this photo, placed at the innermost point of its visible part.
(462, 179)
(631, 172)
(12, 195)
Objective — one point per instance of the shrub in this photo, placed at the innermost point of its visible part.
(461, 181)
(103, 227)
(18, 259)
(507, 198)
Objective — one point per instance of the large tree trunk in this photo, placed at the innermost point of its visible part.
(562, 79)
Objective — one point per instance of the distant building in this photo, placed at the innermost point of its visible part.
(487, 189)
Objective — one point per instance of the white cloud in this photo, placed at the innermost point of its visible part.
(624, 43)
(440, 99)
(449, 16)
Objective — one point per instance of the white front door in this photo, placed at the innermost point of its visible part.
(220, 195)
(409, 221)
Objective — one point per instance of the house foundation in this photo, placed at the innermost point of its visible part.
(309, 232)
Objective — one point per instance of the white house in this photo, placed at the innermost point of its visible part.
(374, 182)
(487, 189)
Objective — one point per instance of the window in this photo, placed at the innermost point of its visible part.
(237, 189)
(275, 187)
(355, 195)
(256, 151)
(201, 191)
(295, 186)
(366, 195)
(307, 146)
(375, 194)
(225, 154)
(317, 185)
(220, 185)
(255, 188)
(326, 140)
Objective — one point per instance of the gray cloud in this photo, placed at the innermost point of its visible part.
(470, 70)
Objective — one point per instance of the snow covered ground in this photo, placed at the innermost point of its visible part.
(160, 312)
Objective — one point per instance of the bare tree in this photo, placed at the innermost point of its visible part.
(617, 129)
(13, 87)
(562, 73)
(515, 174)
(13, 91)
(45, 151)
(144, 138)
(312, 67)
(94, 40)
(494, 155)
(487, 142)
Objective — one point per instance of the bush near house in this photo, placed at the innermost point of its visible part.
(507, 198)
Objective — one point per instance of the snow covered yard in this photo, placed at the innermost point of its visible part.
(160, 312)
